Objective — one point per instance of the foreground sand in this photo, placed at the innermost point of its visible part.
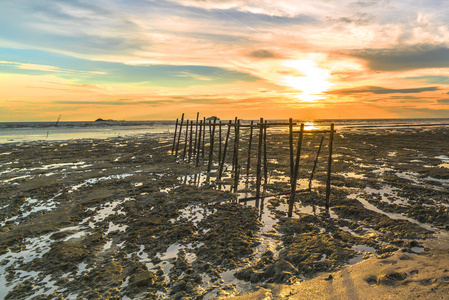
(400, 276)
(124, 219)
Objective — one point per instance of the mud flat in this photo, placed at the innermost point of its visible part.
(122, 218)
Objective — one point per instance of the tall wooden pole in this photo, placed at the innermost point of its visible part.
(290, 129)
(315, 162)
(259, 162)
(174, 138)
(204, 136)
(191, 141)
(199, 145)
(329, 164)
(248, 163)
(265, 167)
(211, 152)
(236, 149)
(220, 171)
(219, 144)
(186, 140)
(295, 173)
(235, 136)
(179, 135)
(196, 133)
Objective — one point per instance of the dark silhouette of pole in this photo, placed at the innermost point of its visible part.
(179, 135)
(220, 171)
(186, 140)
(329, 165)
(248, 164)
(259, 162)
(191, 141)
(295, 173)
(174, 138)
(199, 144)
(211, 152)
(236, 149)
(290, 129)
(196, 133)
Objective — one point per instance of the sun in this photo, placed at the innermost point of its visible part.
(311, 81)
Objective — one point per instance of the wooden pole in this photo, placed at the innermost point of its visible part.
(236, 149)
(290, 127)
(315, 162)
(235, 136)
(196, 133)
(186, 140)
(211, 152)
(219, 144)
(199, 145)
(248, 164)
(329, 164)
(204, 136)
(179, 135)
(259, 162)
(295, 172)
(174, 138)
(265, 167)
(191, 141)
(220, 172)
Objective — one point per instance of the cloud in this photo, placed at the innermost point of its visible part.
(443, 101)
(81, 71)
(380, 90)
(403, 58)
(262, 53)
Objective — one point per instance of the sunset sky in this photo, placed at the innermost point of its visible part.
(153, 60)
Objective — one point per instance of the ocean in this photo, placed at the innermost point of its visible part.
(14, 132)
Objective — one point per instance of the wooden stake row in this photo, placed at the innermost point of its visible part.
(196, 147)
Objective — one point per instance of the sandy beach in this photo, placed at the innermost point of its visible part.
(122, 218)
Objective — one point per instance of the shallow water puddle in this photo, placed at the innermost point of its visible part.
(93, 181)
(35, 248)
(394, 216)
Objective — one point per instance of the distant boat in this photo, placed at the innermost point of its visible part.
(212, 118)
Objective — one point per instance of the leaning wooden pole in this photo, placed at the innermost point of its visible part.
(179, 135)
(315, 162)
(186, 140)
(174, 138)
(220, 171)
(191, 141)
(198, 153)
(329, 165)
(248, 163)
(259, 161)
(295, 173)
(211, 151)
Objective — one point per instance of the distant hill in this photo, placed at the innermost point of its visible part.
(103, 120)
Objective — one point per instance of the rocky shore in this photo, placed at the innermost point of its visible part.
(122, 218)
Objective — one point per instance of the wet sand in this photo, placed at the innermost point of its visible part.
(122, 218)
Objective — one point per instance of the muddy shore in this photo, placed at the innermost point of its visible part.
(122, 218)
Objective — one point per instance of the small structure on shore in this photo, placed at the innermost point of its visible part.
(195, 141)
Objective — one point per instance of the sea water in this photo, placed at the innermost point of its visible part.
(14, 132)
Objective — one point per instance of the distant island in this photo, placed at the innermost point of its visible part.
(212, 118)
(103, 120)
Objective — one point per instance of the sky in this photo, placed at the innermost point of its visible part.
(154, 60)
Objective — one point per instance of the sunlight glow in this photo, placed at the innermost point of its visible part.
(311, 82)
